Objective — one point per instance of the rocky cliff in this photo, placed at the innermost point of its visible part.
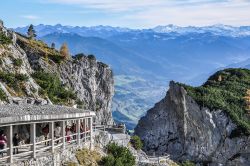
(188, 131)
(80, 81)
(93, 83)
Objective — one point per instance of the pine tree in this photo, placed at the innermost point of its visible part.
(64, 50)
(31, 32)
(53, 45)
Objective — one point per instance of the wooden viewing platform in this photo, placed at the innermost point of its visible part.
(12, 116)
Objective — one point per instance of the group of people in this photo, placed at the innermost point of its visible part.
(69, 130)
(3, 142)
(73, 129)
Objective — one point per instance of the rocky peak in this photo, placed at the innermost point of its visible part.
(177, 125)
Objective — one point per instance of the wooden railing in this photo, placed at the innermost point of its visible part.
(25, 149)
(114, 128)
(160, 160)
(36, 148)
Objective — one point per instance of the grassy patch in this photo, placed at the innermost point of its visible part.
(3, 96)
(40, 48)
(4, 39)
(17, 62)
(52, 54)
(14, 80)
(187, 163)
(88, 158)
(226, 90)
(71, 164)
(52, 87)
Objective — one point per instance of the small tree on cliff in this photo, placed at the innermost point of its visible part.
(31, 32)
(64, 50)
(53, 45)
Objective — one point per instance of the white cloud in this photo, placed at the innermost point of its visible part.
(111, 5)
(180, 12)
(30, 17)
(233, 13)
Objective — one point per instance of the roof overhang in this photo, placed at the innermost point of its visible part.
(16, 114)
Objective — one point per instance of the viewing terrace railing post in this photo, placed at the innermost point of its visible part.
(10, 143)
(91, 132)
(33, 138)
(62, 123)
(85, 129)
(51, 135)
(78, 124)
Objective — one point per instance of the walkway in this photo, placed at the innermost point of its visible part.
(117, 135)
(12, 116)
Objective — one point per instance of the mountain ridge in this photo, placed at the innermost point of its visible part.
(217, 29)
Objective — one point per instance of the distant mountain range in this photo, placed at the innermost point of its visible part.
(144, 60)
(219, 29)
(107, 31)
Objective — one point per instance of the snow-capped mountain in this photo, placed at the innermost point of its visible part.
(94, 31)
(219, 29)
(107, 31)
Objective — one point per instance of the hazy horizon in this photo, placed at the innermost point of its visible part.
(65, 25)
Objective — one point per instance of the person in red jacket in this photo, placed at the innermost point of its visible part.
(67, 130)
(45, 131)
(3, 141)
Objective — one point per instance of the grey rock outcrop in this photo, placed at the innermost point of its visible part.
(93, 83)
(8, 54)
(177, 125)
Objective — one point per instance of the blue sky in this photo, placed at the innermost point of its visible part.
(125, 13)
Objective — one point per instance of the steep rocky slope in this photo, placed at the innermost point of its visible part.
(30, 70)
(178, 125)
(93, 83)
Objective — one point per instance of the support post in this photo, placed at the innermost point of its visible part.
(51, 135)
(63, 132)
(91, 132)
(85, 129)
(33, 139)
(78, 124)
(10, 143)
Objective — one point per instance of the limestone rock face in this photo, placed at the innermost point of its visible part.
(8, 55)
(177, 125)
(93, 83)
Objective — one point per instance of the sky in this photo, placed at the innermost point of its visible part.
(125, 13)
